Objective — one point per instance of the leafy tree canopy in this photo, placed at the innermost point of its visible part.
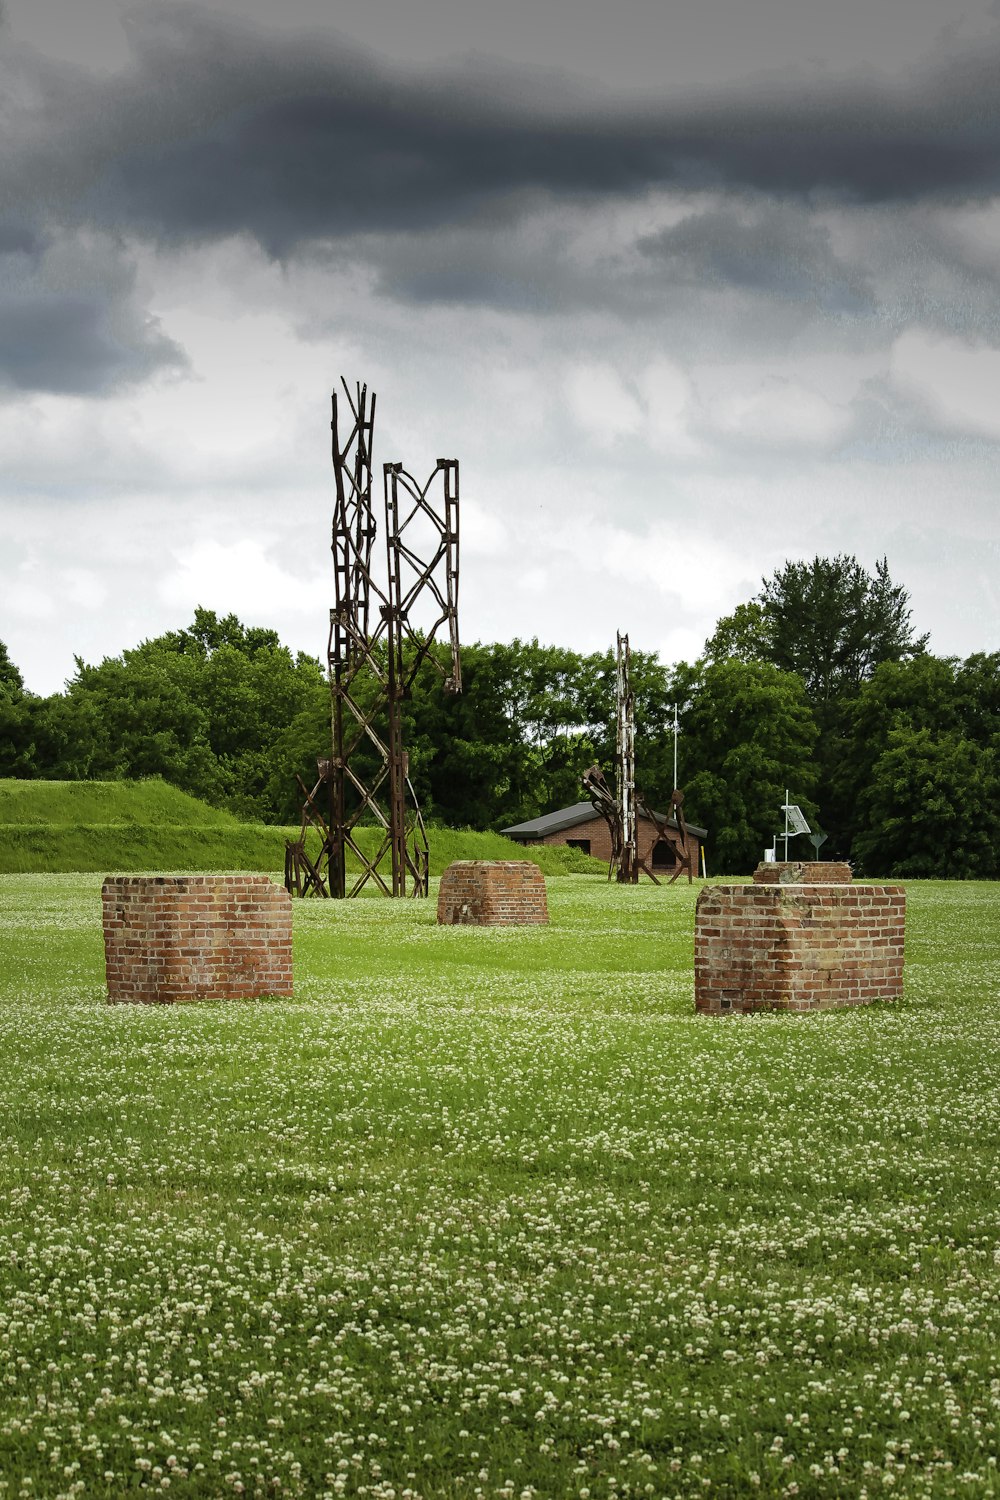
(11, 681)
(900, 769)
(929, 808)
(828, 620)
(749, 735)
(216, 710)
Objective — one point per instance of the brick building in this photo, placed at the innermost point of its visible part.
(580, 827)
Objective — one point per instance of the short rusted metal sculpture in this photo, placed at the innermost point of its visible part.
(606, 804)
(305, 871)
(374, 653)
(672, 830)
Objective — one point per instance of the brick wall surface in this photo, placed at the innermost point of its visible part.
(196, 937)
(797, 947)
(492, 893)
(596, 830)
(802, 872)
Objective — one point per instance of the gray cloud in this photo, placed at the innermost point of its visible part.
(217, 130)
(71, 320)
(774, 249)
(20, 239)
(471, 187)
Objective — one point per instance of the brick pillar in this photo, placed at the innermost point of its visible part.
(802, 872)
(196, 937)
(778, 945)
(492, 893)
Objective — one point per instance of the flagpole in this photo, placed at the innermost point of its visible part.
(786, 824)
(676, 732)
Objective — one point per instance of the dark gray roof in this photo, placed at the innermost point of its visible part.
(568, 817)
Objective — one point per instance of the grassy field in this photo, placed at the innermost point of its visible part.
(489, 1213)
(112, 826)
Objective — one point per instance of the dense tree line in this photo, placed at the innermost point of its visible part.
(818, 684)
(216, 709)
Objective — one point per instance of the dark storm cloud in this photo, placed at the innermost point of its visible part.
(20, 239)
(437, 183)
(216, 130)
(75, 345)
(71, 321)
(344, 160)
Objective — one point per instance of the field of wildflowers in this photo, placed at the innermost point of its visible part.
(490, 1213)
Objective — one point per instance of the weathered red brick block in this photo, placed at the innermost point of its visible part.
(780, 945)
(802, 872)
(196, 937)
(492, 893)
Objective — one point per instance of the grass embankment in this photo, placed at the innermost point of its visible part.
(63, 826)
(489, 1212)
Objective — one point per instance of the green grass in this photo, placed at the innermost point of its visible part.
(111, 826)
(101, 803)
(490, 1213)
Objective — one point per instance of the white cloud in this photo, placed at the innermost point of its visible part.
(781, 413)
(601, 404)
(482, 532)
(28, 601)
(83, 587)
(668, 397)
(243, 578)
(597, 490)
(956, 381)
(654, 409)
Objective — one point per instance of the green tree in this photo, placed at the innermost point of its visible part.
(529, 722)
(749, 735)
(221, 710)
(17, 751)
(921, 761)
(11, 681)
(745, 634)
(832, 623)
(930, 808)
(828, 620)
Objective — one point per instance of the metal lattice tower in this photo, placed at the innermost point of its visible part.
(628, 866)
(620, 809)
(374, 653)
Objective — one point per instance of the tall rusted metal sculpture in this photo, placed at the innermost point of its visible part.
(620, 809)
(375, 651)
(628, 868)
(422, 549)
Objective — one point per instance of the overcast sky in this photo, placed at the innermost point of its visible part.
(688, 289)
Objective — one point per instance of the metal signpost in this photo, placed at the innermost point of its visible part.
(795, 823)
